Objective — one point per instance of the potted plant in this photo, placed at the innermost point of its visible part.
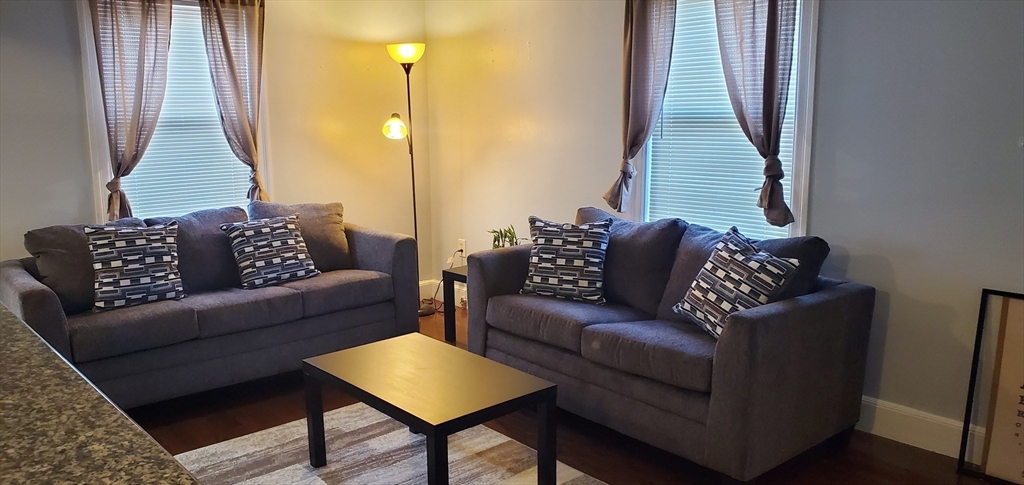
(505, 237)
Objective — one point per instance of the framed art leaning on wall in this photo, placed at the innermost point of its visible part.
(992, 444)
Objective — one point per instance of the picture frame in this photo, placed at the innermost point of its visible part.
(992, 441)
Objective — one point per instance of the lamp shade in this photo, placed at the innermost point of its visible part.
(394, 127)
(406, 53)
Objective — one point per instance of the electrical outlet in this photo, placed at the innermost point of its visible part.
(462, 247)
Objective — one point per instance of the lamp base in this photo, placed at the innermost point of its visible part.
(426, 308)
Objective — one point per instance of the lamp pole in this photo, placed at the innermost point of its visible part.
(406, 55)
(407, 66)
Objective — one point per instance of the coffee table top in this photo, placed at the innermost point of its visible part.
(431, 380)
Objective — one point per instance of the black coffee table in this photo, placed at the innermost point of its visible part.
(435, 389)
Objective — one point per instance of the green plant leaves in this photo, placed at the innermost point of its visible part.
(505, 237)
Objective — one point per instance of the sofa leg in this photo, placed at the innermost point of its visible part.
(724, 479)
(841, 440)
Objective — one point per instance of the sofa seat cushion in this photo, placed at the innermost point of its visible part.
(681, 402)
(342, 289)
(235, 310)
(679, 354)
(257, 342)
(99, 334)
(553, 321)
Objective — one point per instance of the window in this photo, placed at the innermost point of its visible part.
(188, 165)
(701, 167)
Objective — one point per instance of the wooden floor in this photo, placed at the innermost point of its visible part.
(195, 421)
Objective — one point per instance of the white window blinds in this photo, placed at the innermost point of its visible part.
(188, 165)
(702, 168)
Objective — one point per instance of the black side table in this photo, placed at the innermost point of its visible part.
(448, 278)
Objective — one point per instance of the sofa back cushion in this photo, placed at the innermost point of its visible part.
(322, 226)
(698, 242)
(64, 264)
(639, 259)
(205, 259)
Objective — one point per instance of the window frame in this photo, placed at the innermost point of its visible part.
(96, 122)
(637, 209)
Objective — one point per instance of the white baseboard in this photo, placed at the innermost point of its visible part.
(460, 293)
(915, 427)
(427, 288)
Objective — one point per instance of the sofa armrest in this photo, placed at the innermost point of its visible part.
(491, 273)
(394, 254)
(786, 376)
(36, 304)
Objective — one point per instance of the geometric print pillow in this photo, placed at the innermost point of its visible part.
(567, 261)
(736, 277)
(269, 251)
(134, 265)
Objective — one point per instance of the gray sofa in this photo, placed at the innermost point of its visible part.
(221, 334)
(782, 378)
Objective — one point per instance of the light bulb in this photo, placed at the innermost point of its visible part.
(394, 128)
(406, 53)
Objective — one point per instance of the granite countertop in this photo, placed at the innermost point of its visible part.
(56, 428)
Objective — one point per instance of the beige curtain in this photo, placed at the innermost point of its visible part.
(647, 55)
(132, 39)
(233, 30)
(756, 42)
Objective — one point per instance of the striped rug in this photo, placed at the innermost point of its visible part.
(365, 447)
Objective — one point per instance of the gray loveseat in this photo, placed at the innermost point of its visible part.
(783, 377)
(219, 334)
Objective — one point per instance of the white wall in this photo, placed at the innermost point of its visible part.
(329, 87)
(917, 178)
(45, 172)
(524, 113)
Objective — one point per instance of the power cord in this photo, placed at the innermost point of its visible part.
(451, 265)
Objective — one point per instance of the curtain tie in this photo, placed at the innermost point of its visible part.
(114, 185)
(256, 191)
(773, 167)
(254, 178)
(627, 169)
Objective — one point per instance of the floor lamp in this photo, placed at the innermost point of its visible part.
(394, 128)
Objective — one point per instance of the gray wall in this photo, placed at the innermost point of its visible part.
(918, 178)
(45, 172)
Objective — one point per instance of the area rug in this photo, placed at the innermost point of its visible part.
(365, 447)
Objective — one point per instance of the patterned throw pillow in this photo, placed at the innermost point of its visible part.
(269, 251)
(736, 277)
(134, 265)
(567, 261)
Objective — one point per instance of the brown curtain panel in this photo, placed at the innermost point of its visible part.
(132, 39)
(756, 42)
(647, 55)
(233, 31)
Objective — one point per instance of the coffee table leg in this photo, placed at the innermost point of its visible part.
(315, 421)
(437, 458)
(546, 442)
